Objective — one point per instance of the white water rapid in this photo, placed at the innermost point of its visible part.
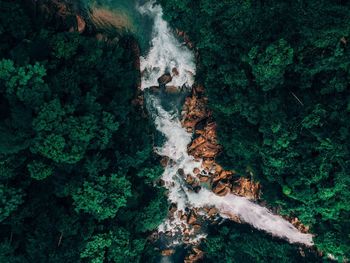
(166, 53)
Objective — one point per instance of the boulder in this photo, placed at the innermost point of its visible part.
(168, 252)
(81, 24)
(164, 161)
(196, 171)
(245, 187)
(164, 79)
(221, 189)
(172, 89)
(191, 219)
(172, 208)
(203, 178)
(222, 175)
(212, 211)
(175, 72)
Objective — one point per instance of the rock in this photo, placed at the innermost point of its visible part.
(164, 161)
(245, 187)
(196, 171)
(195, 256)
(168, 252)
(191, 219)
(189, 179)
(81, 25)
(155, 89)
(173, 208)
(203, 178)
(175, 72)
(196, 227)
(164, 79)
(222, 175)
(181, 172)
(172, 89)
(208, 163)
(197, 188)
(212, 211)
(221, 189)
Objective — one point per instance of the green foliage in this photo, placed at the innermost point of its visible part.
(39, 170)
(269, 67)
(234, 243)
(71, 143)
(115, 246)
(103, 197)
(150, 174)
(10, 199)
(65, 45)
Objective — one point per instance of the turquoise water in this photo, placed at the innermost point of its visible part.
(141, 26)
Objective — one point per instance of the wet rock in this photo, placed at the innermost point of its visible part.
(196, 227)
(212, 211)
(172, 208)
(208, 163)
(155, 89)
(164, 79)
(223, 175)
(191, 219)
(172, 89)
(221, 189)
(196, 171)
(197, 188)
(203, 178)
(164, 162)
(181, 172)
(189, 179)
(168, 252)
(175, 72)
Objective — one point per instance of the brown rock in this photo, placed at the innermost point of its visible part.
(222, 175)
(191, 219)
(164, 161)
(245, 187)
(196, 227)
(173, 208)
(168, 252)
(212, 211)
(172, 89)
(189, 179)
(164, 79)
(203, 178)
(219, 187)
(175, 72)
(196, 171)
(80, 24)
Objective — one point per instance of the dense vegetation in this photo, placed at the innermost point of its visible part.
(236, 243)
(77, 170)
(277, 77)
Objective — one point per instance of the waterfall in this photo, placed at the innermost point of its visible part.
(166, 53)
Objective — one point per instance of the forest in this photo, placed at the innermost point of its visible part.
(79, 178)
(77, 167)
(277, 77)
